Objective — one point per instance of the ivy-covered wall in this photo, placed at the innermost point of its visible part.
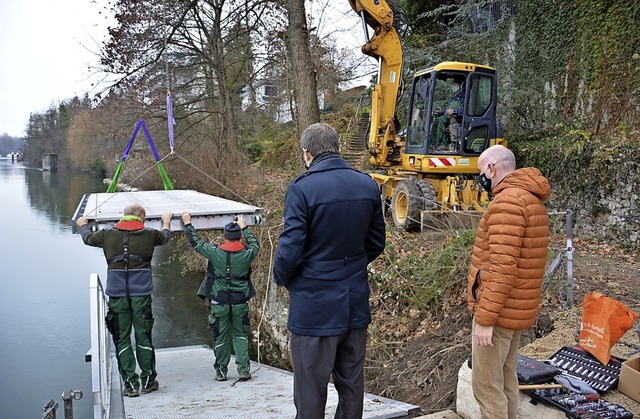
(582, 57)
(597, 177)
(572, 62)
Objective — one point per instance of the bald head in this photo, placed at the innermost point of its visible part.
(496, 163)
(135, 209)
(500, 156)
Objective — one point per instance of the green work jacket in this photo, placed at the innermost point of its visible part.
(220, 286)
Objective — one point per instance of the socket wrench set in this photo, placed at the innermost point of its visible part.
(576, 362)
(580, 406)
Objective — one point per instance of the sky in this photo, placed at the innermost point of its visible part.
(46, 48)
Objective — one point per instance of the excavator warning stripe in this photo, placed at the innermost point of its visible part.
(441, 162)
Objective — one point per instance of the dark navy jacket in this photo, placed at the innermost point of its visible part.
(333, 228)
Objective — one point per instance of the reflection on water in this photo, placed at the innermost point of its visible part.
(44, 276)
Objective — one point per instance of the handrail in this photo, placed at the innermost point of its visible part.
(565, 255)
(356, 114)
(100, 353)
(346, 138)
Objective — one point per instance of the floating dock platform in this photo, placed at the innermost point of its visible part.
(208, 212)
(188, 391)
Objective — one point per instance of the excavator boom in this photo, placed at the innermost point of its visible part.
(385, 46)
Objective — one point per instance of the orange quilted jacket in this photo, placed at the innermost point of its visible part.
(510, 253)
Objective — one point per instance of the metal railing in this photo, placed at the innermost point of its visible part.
(562, 265)
(68, 397)
(100, 353)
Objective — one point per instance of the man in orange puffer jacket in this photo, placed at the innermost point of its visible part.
(505, 277)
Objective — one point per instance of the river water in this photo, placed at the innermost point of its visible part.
(44, 283)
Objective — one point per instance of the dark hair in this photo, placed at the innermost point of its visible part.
(320, 138)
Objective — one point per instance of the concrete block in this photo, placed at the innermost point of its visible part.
(445, 414)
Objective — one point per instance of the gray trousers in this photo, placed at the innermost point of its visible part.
(315, 360)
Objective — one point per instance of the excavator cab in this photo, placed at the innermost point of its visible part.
(470, 124)
(451, 120)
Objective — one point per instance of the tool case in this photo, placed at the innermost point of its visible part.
(579, 406)
(576, 362)
(532, 371)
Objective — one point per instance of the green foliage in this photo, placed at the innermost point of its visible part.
(98, 166)
(257, 134)
(581, 167)
(421, 278)
(426, 17)
(283, 150)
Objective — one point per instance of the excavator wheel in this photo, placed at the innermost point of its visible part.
(406, 205)
(429, 196)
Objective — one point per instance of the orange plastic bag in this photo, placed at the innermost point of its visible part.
(604, 322)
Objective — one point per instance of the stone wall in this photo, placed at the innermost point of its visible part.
(597, 177)
(612, 217)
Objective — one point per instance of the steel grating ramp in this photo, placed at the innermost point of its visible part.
(188, 391)
(208, 212)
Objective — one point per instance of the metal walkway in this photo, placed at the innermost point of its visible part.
(188, 390)
(207, 212)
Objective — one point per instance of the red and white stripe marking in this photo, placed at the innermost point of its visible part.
(442, 161)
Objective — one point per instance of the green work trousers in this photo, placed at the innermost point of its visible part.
(493, 374)
(123, 314)
(439, 134)
(230, 324)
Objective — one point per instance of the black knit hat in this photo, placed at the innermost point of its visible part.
(232, 231)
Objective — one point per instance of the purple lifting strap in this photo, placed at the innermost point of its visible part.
(133, 137)
(170, 120)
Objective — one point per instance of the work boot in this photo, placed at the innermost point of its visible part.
(245, 377)
(131, 392)
(151, 387)
(220, 377)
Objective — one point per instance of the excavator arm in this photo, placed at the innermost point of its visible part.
(385, 46)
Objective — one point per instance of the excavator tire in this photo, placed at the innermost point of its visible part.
(429, 196)
(406, 204)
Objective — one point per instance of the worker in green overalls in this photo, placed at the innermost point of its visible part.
(440, 133)
(128, 247)
(227, 286)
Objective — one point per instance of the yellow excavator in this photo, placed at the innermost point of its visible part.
(431, 164)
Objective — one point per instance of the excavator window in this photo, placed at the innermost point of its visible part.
(416, 129)
(480, 94)
(476, 140)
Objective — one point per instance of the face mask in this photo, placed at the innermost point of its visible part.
(485, 182)
(455, 88)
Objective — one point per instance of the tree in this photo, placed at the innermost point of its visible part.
(297, 40)
(203, 51)
(9, 144)
(46, 132)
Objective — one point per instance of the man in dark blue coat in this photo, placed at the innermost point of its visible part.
(333, 228)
